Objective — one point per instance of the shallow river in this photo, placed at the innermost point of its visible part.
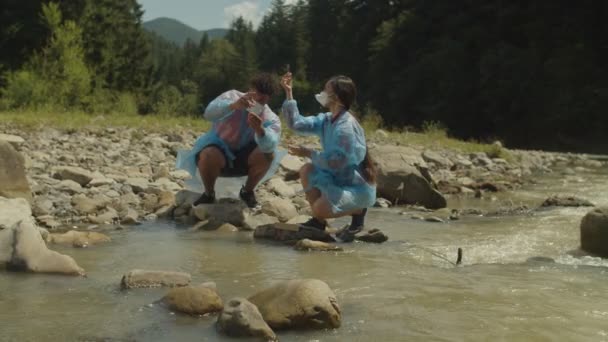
(402, 290)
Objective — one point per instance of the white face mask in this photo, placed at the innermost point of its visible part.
(322, 98)
(257, 109)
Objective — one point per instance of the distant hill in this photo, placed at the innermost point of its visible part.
(178, 32)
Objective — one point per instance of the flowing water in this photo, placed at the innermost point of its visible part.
(402, 290)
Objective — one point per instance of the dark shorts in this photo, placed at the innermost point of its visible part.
(240, 165)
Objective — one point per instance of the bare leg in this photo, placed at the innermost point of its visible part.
(313, 194)
(210, 164)
(259, 163)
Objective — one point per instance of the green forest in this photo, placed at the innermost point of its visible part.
(530, 73)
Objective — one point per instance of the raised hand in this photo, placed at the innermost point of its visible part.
(255, 122)
(246, 101)
(287, 84)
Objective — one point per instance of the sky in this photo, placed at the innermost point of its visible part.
(206, 14)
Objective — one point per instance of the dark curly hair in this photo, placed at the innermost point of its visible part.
(265, 84)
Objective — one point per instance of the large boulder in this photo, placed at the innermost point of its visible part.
(13, 183)
(240, 318)
(194, 300)
(23, 249)
(400, 180)
(594, 232)
(145, 278)
(299, 304)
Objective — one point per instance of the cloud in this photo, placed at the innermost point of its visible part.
(249, 10)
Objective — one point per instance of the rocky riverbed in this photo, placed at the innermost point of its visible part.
(117, 177)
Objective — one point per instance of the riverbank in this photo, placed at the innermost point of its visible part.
(119, 170)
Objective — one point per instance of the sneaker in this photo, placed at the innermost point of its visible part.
(348, 234)
(249, 198)
(315, 224)
(205, 199)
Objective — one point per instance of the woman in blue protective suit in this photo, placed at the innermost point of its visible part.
(341, 179)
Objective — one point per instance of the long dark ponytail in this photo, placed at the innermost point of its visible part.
(346, 91)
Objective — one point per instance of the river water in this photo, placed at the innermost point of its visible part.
(403, 290)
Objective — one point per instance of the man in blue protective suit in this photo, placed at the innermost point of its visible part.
(242, 142)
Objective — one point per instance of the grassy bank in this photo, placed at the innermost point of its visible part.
(80, 120)
(433, 137)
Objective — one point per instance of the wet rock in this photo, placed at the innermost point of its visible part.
(240, 318)
(193, 300)
(227, 228)
(566, 201)
(594, 232)
(220, 213)
(280, 188)
(400, 180)
(282, 209)
(22, 249)
(144, 279)
(108, 216)
(372, 236)
(382, 203)
(13, 182)
(312, 245)
(69, 186)
(78, 239)
(76, 174)
(299, 219)
(434, 219)
(540, 259)
(417, 217)
(129, 217)
(299, 304)
(290, 233)
(511, 210)
(260, 219)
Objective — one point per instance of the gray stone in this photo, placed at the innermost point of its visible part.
(282, 209)
(220, 213)
(279, 187)
(240, 318)
(261, 219)
(437, 159)
(313, 245)
(76, 174)
(137, 184)
(69, 186)
(291, 163)
(566, 201)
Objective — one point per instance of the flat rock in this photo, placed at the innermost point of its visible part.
(566, 201)
(279, 187)
(78, 239)
(76, 174)
(260, 219)
(137, 184)
(15, 140)
(290, 233)
(291, 163)
(69, 186)
(144, 279)
(312, 245)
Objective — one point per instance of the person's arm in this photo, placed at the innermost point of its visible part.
(268, 137)
(225, 104)
(310, 125)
